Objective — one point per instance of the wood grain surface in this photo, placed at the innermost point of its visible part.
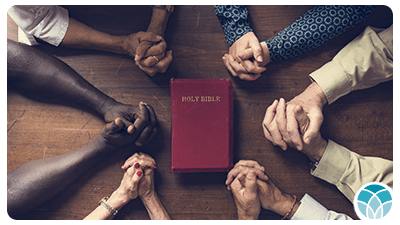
(361, 121)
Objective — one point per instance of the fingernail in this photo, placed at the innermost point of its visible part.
(138, 144)
(259, 58)
(139, 173)
(123, 165)
(155, 165)
(137, 165)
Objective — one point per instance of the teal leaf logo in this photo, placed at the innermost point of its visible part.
(373, 201)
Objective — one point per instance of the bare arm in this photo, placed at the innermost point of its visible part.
(39, 74)
(35, 182)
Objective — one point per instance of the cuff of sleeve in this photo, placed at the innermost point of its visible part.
(332, 80)
(26, 38)
(57, 25)
(333, 163)
(310, 209)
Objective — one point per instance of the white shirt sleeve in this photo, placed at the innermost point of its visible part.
(48, 23)
(310, 209)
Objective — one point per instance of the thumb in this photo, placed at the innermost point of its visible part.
(251, 182)
(245, 54)
(115, 126)
(145, 42)
(313, 130)
(141, 50)
(302, 119)
(257, 51)
(130, 128)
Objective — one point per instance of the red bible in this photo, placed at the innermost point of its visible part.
(202, 125)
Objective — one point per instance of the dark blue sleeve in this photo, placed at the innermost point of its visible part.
(317, 26)
(234, 21)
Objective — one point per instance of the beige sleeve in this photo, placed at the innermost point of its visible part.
(364, 62)
(349, 171)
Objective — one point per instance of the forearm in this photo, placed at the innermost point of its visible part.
(39, 74)
(33, 183)
(159, 20)
(82, 36)
(155, 208)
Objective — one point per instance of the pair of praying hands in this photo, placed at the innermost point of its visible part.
(149, 52)
(128, 123)
(247, 57)
(138, 181)
(297, 123)
(252, 189)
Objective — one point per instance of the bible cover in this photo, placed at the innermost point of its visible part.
(202, 125)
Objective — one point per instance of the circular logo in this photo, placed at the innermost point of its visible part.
(373, 201)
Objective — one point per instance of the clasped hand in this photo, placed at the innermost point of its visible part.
(297, 123)
(252, 189)
(148, 51)
(121, 131)
(247, 57)
(138, 179)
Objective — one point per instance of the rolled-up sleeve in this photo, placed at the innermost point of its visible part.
(48, 23)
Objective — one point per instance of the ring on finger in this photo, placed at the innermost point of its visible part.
(155, 57)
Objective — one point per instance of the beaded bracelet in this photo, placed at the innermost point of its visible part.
(104, 203)
(291, 209)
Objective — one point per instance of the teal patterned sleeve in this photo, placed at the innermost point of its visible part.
(234, 22)
(315, 27)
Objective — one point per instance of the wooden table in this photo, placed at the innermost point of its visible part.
(361, 121)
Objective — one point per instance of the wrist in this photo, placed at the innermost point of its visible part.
(154, 207)
(283, 205)
(101, 144)
(317, 91)
(118, 200)
(150, 198)
(107, 105)
(119, 43)
(319, 149)
(159, 20)
(247, 217)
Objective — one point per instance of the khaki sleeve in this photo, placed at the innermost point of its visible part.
(349, 171)
(364, 62)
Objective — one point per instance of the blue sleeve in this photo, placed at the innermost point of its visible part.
(234, 21)
(317, 26)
